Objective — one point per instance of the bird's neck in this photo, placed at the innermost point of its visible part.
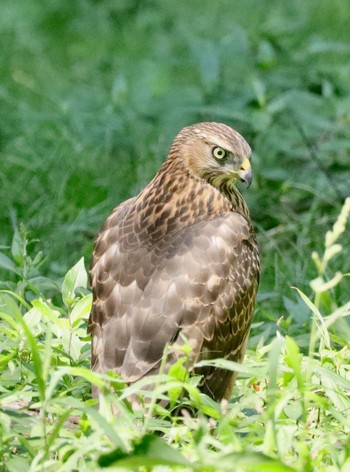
(176, 199)
(231, 192)
(182, 191)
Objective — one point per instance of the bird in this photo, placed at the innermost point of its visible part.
(179, 264)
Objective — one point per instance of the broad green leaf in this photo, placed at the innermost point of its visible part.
(150, 451)
(147, 381)
(75, 277)
(178, 372)
(72, 344)
(9, 303)
(339, 398)
(33, 319)
(6, 263)
(51, 314)
(232, 366)
(15, 464)
(17, 297)
(105, 427)
(293, 359)
(87, 374)
(294, 410)
(333, 378)
(18, 247)
(80, 310)
(252, 462)
(206, 405)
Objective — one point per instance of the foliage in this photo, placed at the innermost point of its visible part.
(289, 411)
(92, 93)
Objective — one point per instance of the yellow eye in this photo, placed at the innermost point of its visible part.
(219, 153)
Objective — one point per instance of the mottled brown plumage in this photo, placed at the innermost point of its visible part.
(179, 261)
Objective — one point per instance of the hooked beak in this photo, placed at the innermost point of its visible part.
(245, 173)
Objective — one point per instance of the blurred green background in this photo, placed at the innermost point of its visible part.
(93, 92)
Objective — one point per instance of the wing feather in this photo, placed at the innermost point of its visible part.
(198, 280)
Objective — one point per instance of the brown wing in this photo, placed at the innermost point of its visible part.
(200, 281)
(231, 334)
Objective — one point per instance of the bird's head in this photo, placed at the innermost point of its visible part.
(214, 152)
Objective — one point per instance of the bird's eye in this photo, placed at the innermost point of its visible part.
(219, 153)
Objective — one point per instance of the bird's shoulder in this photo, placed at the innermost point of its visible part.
(165, 214)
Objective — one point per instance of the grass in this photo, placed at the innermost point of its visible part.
(91, 95)
(289, 411)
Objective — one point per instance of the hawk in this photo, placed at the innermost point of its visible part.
(179, 263)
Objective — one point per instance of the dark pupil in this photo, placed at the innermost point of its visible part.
(220, 152)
